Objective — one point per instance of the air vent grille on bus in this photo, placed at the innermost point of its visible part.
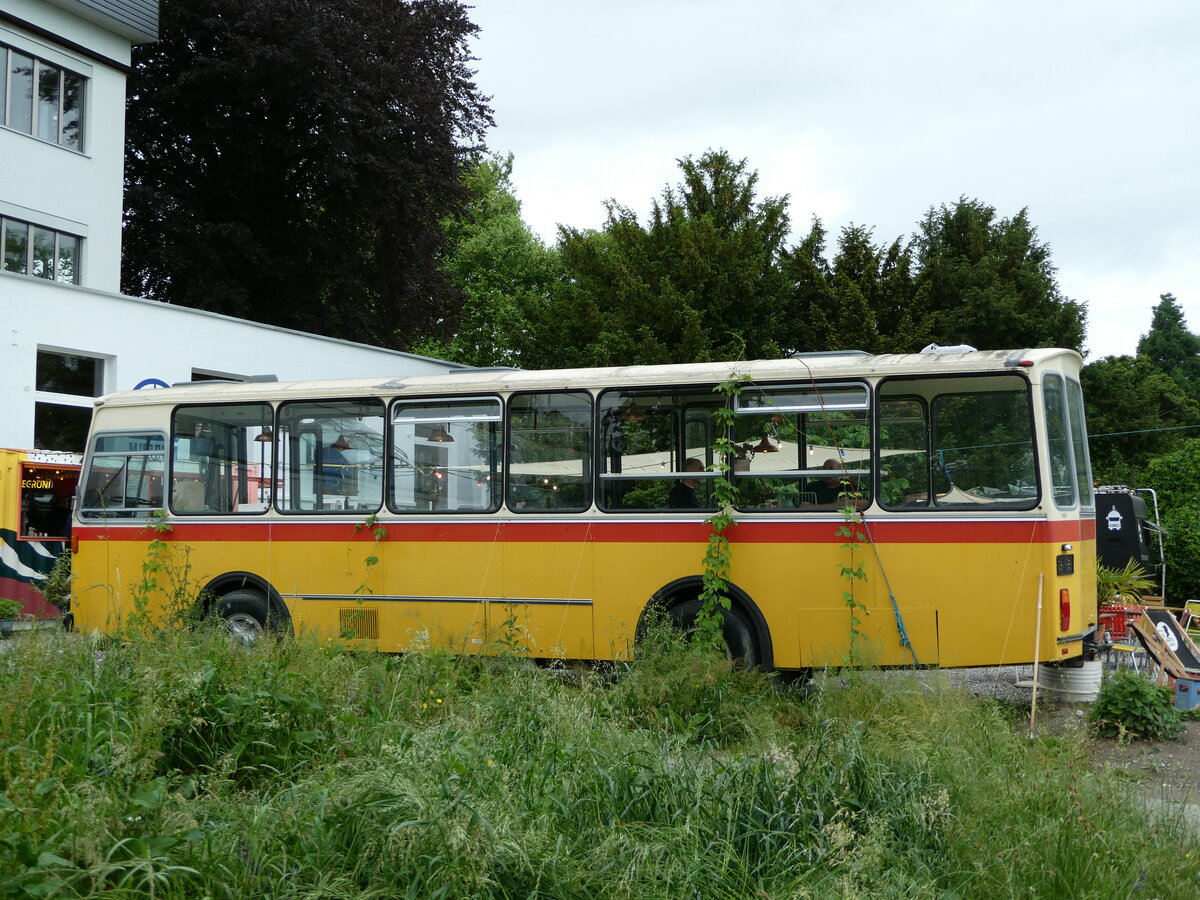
(358, 622)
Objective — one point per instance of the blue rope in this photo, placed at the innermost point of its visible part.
(904, 639)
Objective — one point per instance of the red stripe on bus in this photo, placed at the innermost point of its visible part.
(509, 531)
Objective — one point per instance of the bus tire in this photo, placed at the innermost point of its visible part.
(245, 615)
(740, 645)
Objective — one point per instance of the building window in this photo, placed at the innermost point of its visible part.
(67, 373)
(41, 252)
(61, 427)
(41, 99)
(59, 424)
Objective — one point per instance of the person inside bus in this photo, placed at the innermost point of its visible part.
(827, 492)
(336, 475)
(683, 494)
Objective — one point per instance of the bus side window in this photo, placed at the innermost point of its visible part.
(330, 454)
(550, 451)
(903, 453)
(656, 445)
(802, 446)
(216, 462)
(124, 477)
(446, 455)
(982, 444)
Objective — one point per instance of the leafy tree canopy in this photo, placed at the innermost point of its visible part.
(290, 161)
(1135, 412)
(967, 277)
(700, 280)
(1171, 347)
(1176, 478)
(863, 299)
(506, 275)
(990, 283)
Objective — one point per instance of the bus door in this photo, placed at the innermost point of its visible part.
(548, 536)
(327, 479)
(656, 492)
(444, 550)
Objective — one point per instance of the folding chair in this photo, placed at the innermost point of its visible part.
(1173, 659)
(1176, 639)
(1189, 618)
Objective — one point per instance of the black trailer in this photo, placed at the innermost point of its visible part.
(1128, 528)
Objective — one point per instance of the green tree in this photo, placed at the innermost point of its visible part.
(506, 275)
(863, 299)
(1176, 478)
(1135, 412)
(291, 161)
(1171, 347)
(990, 283)
(699, 281)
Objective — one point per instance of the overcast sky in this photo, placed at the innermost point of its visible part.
(871, 111)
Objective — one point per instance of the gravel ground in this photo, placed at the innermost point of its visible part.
(1010, 683)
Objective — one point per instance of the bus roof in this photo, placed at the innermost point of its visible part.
(465, 381)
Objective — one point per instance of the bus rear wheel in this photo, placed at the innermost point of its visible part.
(245, 615)
(739, 637)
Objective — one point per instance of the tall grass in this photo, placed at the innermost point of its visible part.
(189, 767)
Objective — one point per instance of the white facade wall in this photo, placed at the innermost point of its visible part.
(142, 339)
(80, 193)
(50, 185)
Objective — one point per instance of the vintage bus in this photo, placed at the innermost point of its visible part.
(543, 509)
(37, 489)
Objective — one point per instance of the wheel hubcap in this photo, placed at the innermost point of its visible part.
(244, 628)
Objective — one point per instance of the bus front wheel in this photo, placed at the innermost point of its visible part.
(736, 630)
(244, 614)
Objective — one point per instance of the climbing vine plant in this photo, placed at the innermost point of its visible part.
(379, 533)
(714, 595)
(853, 571)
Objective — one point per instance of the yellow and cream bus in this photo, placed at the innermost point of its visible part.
(551, 509)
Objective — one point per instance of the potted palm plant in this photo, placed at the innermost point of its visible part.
(1128, 584)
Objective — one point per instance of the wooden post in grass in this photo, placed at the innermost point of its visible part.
(1037, 648)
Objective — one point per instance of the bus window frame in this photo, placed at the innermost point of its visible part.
(588, 479)
(933, 507)
(292, 472)
(815, 387)
(170, 487)
(680, 413)
(1075, 402)
(880, 459)
(93, 514)
(448, 400)
(1072, 502)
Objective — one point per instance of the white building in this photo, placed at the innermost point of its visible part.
(66, 334)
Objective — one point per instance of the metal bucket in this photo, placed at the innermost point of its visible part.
(1068, 683)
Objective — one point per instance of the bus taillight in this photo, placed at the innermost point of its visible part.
(1064, 609)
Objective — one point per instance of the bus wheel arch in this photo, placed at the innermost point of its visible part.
(747, 636)
(247, 604)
